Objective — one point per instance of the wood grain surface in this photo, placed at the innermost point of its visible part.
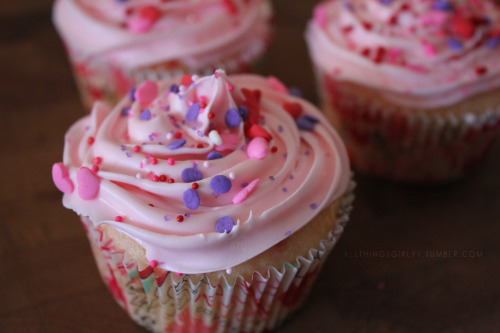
(410, 260)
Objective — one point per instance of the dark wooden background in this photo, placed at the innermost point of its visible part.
(48, 282)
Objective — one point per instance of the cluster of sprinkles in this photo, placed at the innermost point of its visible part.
(244, 117)
(456, 26)
(140, 19)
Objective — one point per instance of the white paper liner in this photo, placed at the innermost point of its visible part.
(169, 303)
(425, 148)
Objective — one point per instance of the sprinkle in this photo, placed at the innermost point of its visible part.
(88, 183)
(257, 131)
(463, 27)
(232, 118)
(215, 137)
(176, 144)
(144, 20)
(193, 112)
(455, 44)
(243, 111)
(246, 191)
(186, 80)
(229, 271)
(97, 160)
(429, 49)
(220, 184)
(118, 218)
(257, 148)
(443, 5)
(125, 112)
(271, 178)
(481, 70)
(191, 199)
(163, 178)
(180, 218)
(90, 140)
(288, 232)
(145, 115)
(131, 94)
(493, 42)
(232, 176)
(190, 175)
(153, 263)
(225, 224)
(60, 176)
(195, 186)
(274, 149)
(230, 7)
(306, 123)
(146, 93)
(136, 149)
(154, 160)
(95, 168)
(213, 155)
(386, 2)
(211, 115)
(293, 108)
(166, 218)
(170, 181)
(128, 154)
(313, 206)
(206, 164)
(171, 161)
(174, 89)
(155, 178)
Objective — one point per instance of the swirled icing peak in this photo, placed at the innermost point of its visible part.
(444, 49)
(203, 172)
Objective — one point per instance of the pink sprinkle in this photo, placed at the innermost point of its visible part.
(146, 93)
(257, 148)
(153, 263)
(434, 18)
(178, 274)
(429, 49)
(144, 20)
(118, 218)
(170, 161)
(230, 87)
(203, 99)
(154, 161)
(320, 16)
(245, 192)
(97, 160)
(136, 149)
(95, 168)
(155, 178)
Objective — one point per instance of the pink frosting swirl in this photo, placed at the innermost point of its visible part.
(427, 53)
(138, 33)
(240, 162)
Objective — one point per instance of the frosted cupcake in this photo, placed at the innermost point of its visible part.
(412, 86)
(210, 203)
(115, 44)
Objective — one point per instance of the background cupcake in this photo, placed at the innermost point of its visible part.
(210, 203)
(114, 45)
(413, 87)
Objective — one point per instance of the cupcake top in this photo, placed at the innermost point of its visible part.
(425, 53)
(138, 33)
(204, 173)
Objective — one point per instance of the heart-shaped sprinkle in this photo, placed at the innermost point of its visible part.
(146, 93)
(61, 179)
(88, 183)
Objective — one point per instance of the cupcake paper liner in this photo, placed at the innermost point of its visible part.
(403, 144)
(162, 301)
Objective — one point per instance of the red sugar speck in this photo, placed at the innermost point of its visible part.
(163, 178)
(118, 218)
(155, 178)
(481, 70)
(90, 140)
(211, 115)
(136, 149)
(97, 160)
(195, 186)
(180, 218)
(274, 149)
(154, 161)
(170, 181)
(95, 168)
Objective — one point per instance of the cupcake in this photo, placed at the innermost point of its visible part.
(210, 203)
(413, 87)
(116, 44)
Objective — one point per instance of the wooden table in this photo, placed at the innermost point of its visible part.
(48, 281)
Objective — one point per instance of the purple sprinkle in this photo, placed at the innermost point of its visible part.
(313, 206)
(145, 115)
(125, 112)
(455, 44)
(285, 189)
(291, 177)
(304, 123)
(187, 215)
(176, 144)
(244, 185)
(128, 154)
(123, 147)
(307, 153)
(232, 118)
(348, 5)
(243, 111)
(224, 224)
(386, 2)
(190, 175)
(201, 134)
(220, 184)
(167, 108)
(312, 119)
(493, 42)
(174, 88)
(443, 5)
(166, 217)
(87, 128)
(288, 233)
(151, 137)
(271, 178)
(280, 129)
(191, 199)
(131, 94)
(294, 91)
(213, 155)
(193, 112)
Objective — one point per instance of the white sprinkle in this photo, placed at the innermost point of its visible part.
(229, 270)
(169, 136)
(215, 137)
(206, 164)
(231, 175)
(138, 176)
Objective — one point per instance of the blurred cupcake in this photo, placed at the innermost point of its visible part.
(210, 203)
(412, 86)
(115, 44)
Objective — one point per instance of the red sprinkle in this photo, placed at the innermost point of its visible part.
(178, 135)
(186, 80)
(95, 168)
(211, 115)
(379, 55)
(195, 186)
(180, 218)
(199, 145)
(136, 149)
(293, 108)
(365, 52)
(118, 218)
(155, 178)
(170, 181)
(257, 131)
(274, 149)
(97, 160)
(230, 6)
(90, 140)
(163, 178)
(154, 161)
(463, 27)
(481, 70)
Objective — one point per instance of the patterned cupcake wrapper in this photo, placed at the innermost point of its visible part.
(403, 144)
(164, 302)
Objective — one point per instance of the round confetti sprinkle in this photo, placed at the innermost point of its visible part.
(145, 115)
(176, 144)
(190, 175)
(214, 155)
(193, 112)
(195, 186)
(191, 199)
(118, 218)
(304, 123)
(243, 111)
(180, 218)
(224, 224)
(258, 148)
(220, 184)
(174, 89)
(232, 118)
